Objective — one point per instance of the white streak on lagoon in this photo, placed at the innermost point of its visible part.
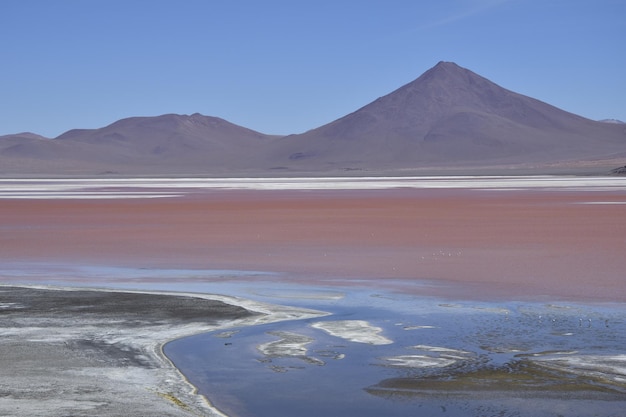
(174, 187)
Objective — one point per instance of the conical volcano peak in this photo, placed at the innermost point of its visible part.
(436, 93)
(451, 73)
(447, 65)
(451, 115)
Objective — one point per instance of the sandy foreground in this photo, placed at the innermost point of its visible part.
(86, 352)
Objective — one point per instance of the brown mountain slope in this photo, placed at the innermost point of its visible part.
(28, 153)
(164, 144)
(168, 134)
(449, 117)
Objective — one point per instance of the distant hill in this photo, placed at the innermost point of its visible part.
(23, 136)
(447, 119)
(166, 144)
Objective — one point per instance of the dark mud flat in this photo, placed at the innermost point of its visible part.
(87, 353)
(134, 308)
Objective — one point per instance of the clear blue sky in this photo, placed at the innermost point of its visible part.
(286, 66)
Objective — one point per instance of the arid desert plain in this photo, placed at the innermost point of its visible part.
(421, 296)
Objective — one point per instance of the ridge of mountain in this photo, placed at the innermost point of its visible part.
(151, 145)
(163, 127)
(24, 135)
(448, 118)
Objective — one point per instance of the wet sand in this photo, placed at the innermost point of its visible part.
(466, 243)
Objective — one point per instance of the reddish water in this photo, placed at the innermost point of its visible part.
(495, 243)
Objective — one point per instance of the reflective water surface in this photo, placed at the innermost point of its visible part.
(385, 353)
(402, 355)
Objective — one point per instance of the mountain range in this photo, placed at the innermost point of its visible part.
(448, 119)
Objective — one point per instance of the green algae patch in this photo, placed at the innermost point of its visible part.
(521, 378)
(173, 399)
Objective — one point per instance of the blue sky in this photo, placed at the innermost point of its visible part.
(286, 66)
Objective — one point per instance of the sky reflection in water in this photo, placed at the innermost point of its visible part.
(442, 358)
(446, 358)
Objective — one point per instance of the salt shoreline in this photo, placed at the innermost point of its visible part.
(149, 382)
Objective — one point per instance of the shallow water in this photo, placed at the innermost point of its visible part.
(383, 353)
(443, 359)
